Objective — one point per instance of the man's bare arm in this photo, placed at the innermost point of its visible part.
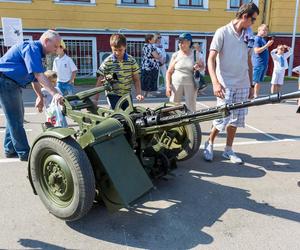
(259, 50)
(217, 87)
(137, 83)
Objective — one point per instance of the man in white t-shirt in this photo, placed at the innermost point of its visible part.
(66, 70)
(230, 69)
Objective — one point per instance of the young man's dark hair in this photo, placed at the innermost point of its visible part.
(117, 40)
(247, 8)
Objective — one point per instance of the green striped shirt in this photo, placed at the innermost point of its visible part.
(124, 70)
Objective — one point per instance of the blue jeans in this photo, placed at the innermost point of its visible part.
(15, 140)
(66, 88)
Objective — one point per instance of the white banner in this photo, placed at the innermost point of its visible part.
(12, 31)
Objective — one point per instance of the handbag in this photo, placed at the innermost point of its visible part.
(199, 80)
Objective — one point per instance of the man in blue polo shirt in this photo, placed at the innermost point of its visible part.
(260, 57)
(22, 65)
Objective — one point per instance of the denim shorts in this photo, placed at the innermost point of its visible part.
(259, 74)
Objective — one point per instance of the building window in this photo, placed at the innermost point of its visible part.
(76, 2)
(235, 4)
(190, 3)
(134, 2)
(83, 52)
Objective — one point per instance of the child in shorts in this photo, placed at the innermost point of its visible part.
(279, 57)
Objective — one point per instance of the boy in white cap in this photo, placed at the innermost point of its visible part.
(66, 70)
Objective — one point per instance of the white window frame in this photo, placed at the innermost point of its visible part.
(62, 2)
(94, 47)
(205, 6)
(16, 1)
(24, 37)
(151, 4)
(234, 9)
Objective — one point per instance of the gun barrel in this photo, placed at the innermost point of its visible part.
(88, 93)
(212, 113)
(274, 98)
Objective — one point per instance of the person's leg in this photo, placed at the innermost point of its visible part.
(218, 125)
(144, 82)
(273, 82)
(15, 137)
(279, 88)
(112, 100)
(176, 94)
(60, 86)
(190, 95)
(237, 119)
(256, 89)
(256, 77)
(69, 88)
(153, 75)
(231, 131)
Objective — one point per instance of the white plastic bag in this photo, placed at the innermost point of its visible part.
(55, 116)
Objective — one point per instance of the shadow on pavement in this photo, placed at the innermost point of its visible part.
(258, 136)
(36, 244)
(176, 213)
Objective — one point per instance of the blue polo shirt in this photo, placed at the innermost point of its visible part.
(261, 59)
(21, 61)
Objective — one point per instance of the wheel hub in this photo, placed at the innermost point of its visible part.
(57, 180)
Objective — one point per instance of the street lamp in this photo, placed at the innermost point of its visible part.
(294, 38)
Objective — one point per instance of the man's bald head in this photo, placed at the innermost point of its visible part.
(50, 41)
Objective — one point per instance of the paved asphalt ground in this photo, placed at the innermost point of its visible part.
(216, 205)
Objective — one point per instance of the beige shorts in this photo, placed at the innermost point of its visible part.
(188, 91)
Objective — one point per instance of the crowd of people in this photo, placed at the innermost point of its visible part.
(237, 64)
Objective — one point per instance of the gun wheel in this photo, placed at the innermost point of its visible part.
(62, 177)
(191, 141)
(188, 137)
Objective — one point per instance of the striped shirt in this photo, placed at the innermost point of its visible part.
(124, 69)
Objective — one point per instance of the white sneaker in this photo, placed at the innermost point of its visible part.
(208, 153)
(230, 155)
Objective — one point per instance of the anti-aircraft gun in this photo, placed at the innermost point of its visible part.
(113, 155)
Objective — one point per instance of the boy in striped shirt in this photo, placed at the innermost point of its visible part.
(126, 69)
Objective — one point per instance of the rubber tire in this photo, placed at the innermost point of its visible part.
(82, 174)
(194, 134)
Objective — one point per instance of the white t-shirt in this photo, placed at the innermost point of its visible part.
(64, 66)
(232, 60)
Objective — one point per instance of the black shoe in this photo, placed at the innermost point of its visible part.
(11, 155)
(23, 158)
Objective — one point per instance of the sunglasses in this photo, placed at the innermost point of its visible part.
(253, 19)
(159, 37)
